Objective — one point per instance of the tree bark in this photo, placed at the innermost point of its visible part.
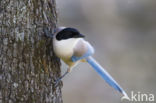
(28, 66)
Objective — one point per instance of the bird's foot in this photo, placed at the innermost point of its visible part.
(48, 33)
(59, 79)
(56, 83)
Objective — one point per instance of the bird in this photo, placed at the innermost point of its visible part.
(70, 46)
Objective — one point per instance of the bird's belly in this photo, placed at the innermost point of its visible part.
(65, 56)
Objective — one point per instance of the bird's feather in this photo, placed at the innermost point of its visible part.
(105, 75)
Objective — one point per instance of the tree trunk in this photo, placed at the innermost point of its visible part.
(28, 66)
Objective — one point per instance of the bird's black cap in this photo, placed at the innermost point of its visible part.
(67, 33)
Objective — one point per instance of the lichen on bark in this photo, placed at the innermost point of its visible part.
(28, 66)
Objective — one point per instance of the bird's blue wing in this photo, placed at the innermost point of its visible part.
(76, 58)
(82, 50)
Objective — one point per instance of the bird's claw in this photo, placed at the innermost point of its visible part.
(59, 79)
(47, 33)
(56, 83)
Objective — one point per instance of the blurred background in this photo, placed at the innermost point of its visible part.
(123, 33)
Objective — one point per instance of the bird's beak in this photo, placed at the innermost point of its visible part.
(80, 36)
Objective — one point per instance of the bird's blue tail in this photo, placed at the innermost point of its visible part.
(105, 75)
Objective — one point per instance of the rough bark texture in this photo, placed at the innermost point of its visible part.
(28, 66)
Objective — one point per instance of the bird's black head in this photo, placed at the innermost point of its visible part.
(68, 33)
